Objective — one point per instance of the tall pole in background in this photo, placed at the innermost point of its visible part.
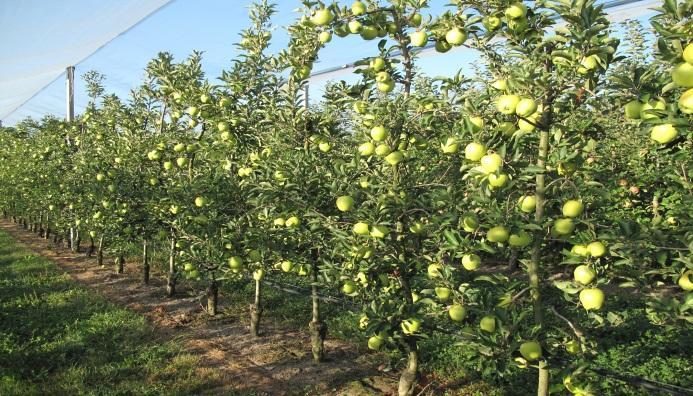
(70, 114)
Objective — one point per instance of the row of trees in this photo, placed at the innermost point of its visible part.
(500, 207)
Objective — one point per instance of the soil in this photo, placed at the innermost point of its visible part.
(277, 363)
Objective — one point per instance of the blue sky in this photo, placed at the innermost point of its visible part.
(180, 27)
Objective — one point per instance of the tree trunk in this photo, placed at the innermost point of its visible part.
(99, 253)
(92, 248)
(77, 241)
(212, 297)
(543, 386)
(256, 310)
(171, 278)
(318, 329)
(119, 264)
(407, 381)
(145, 262)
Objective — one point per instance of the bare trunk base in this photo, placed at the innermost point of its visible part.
(407, 381)
(212, 298)
(119, 264)
(318, 333)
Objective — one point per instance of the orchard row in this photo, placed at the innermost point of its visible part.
(481, 206)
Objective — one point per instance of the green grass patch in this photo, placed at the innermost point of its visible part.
(58, 337)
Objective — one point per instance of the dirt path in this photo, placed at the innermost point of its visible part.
(279, 363)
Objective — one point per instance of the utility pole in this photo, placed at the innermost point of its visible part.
(70, 114)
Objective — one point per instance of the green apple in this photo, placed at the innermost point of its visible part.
(589, 63)
(377, 64)
(181, 161)
(386, 86)
(349, 287)
(354, 26)
(500, 85)
(325, 147)
(682, 75)
(345, 203)
(507, 128)
(360, 106)
(469, 224)
(379, 133)
(527, 125)
(358, 8)
(361, 228)
(498, 234)
(178, 148)
(685, 281)
(477, 123)
(188, 267)
(379, 231)
(258, 274)
(584, 274)
(443, 46)
(394, 158)
(516, 10)
(286, 266)
(322, 17)
(527, 203)
(520, 240)
(457, 312)
(367, 149)
(474, 151)
(200, 202)
(688, 53)
(415, 19)
(580, 250)
(686, 101)
(596, 249)
(224, 102)
(363, 322)
(364, 182)
(572, 347)
(592, 299)
(235, 263)
(168, 165)
(573, 208)
(443, 293)
(375, 342)
(507, 104)
(663, 133)
(417, 228)
(633, 109)
(435, 270)
(368, 32)
(526, 107)
(649, 108)
(411, 325)
(491, 22)
(100, 177)
(530, 350)
(471, 262)
(563, 226)
(292, 222)
(456, 36)
(325, 37)
(450, 146)
(418, 38)
(382, 76)
(491, 163)
(496, 181)
(192, 111)
(488, 324)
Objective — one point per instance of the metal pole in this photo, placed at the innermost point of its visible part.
(70, 114)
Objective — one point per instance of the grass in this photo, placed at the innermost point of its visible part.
(58, 337)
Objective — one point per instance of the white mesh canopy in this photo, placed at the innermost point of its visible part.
(40, 38)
